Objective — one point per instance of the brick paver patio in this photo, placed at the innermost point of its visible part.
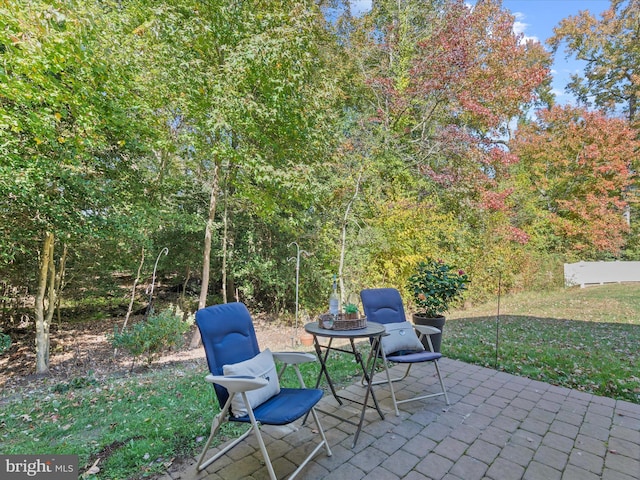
(498, 427)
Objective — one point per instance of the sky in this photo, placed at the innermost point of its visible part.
(536, 19)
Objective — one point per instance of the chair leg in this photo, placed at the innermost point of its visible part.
(393, 393)
(430, 395)
(323, 443)
(218, 420)
(397, 379)
(391, 381)
(265, 454)
(263, 448)
(444, 390)
(255, 427)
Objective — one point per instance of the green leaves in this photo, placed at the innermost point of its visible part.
(62, 161)
(609, 47)
(153, 336)
(435, 285)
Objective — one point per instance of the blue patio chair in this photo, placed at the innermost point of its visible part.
(401, 344)
(246, 382)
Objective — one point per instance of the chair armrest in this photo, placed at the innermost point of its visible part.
(294, 358)
(237, 383)
(426, 329)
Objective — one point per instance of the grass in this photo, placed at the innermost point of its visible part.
(585, 339)
(131, 426)
(136, 426)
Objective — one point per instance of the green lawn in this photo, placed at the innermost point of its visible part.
(585, 339)
(131, 427)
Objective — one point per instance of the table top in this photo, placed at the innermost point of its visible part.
(372, 329)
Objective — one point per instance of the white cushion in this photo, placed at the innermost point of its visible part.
(401, 337)
(263, 366)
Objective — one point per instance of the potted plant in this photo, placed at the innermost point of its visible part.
(351, 310)
(434, 286)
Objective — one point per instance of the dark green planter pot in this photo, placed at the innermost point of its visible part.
(438, 322)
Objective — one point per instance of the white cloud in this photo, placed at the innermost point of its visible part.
(519, 27)
(358, 7)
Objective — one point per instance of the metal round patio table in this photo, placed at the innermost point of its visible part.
(372, 330)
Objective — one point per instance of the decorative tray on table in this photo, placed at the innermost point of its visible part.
(342, 321)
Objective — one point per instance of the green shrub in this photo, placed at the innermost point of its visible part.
(76, 383)
(150, 338)
(5, 342)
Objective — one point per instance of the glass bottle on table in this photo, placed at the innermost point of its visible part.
(334, 304)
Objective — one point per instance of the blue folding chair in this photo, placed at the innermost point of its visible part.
(231, 346)
(401, 344)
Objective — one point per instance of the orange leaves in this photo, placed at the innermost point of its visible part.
(579, 167)
(494, 200)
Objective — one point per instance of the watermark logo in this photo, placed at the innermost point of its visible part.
(39, 467)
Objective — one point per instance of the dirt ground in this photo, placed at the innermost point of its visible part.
(81, 349)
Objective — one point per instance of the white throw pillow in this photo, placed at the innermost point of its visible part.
(263, 366)
(401, 338)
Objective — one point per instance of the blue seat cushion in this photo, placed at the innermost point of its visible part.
(285, 407)
(416, 357)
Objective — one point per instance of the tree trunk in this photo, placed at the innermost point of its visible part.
(52, 296)
(183, 294)
(132, 299)
(343, 245)
(42, 320)
(225, 222)
(206, 256)
(59, 285)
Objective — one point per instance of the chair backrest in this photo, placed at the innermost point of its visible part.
(228, 337)
(383, 305)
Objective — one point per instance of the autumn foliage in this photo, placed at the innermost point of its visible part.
(578, 167)
(227, 131)
(475, 63)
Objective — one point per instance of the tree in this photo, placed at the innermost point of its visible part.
(575, 164)
(247, 88)
(610, 48)
(446, 79)
(67, 139)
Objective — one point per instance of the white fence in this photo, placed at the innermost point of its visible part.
(589, 273)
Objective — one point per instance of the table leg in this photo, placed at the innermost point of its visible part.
(323, 367)
(368, 375)
(322, 358)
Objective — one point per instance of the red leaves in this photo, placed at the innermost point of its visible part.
(579, 165)
(494, 200)
(476, 61)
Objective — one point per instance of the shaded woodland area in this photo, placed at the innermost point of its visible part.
(226, 131)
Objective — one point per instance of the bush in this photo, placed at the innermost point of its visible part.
(159, 333)
(435, 285)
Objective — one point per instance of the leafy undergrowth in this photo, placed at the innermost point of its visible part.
(585, 339)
